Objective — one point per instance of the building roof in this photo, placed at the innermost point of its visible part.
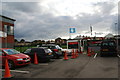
(7, 18)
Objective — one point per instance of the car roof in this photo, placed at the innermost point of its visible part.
(44, 47)
(39, 48)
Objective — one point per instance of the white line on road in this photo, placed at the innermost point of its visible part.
(95, 55)
(17, 71)
(118, 56)
(61, 59)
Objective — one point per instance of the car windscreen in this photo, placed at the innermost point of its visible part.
(48, 51)
(27, 51)
(58, 47)
(11, 51)
(108, 44)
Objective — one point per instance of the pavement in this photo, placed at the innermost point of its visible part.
(81, 67)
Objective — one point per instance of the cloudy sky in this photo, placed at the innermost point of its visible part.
(49, 19)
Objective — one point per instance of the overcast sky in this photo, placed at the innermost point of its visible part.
(49, 19)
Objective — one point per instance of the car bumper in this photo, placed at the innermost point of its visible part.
(21, 63)
(109, 53)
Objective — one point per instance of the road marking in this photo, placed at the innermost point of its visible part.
(61, 59)
(118, 56)
(45, 64)
(95, 55)
(17, 71)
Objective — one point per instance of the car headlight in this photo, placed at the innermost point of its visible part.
(19, 59)
(26, 55)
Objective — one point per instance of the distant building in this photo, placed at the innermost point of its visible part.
(6, 32)
(60, 41)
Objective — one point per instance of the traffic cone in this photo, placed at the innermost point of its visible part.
(65, 56)
(77, 53)
(35, 59)
(73, 54)
(92, 52)
(89, 54)
(7, 70)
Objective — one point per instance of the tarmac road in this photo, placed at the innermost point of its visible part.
(81, 67)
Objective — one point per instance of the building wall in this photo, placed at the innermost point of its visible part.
(8, 41)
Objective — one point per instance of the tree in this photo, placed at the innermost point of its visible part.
(22, 40)
(15, 40)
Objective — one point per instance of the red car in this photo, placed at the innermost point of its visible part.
(14, 57)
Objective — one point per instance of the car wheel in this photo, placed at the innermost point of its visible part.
(11, 64)
(57, 56)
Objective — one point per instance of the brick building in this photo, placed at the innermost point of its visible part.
(6, 32)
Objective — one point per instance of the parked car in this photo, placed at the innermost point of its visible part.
(108, 48)
(57, 50)
(68, 51)
(14, 57)
(43, 54)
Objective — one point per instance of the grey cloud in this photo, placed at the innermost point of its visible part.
(33, 23)
(105, 7)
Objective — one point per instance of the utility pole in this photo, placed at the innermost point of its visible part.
(116, 30)
(91, 30)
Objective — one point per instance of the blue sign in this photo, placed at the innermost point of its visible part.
(72, 30)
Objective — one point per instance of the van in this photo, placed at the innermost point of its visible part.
(108, 48)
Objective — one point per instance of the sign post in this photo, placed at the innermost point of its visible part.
(71, 30)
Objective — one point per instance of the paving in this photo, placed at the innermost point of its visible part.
(81, 67)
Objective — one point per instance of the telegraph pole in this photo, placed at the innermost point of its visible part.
(91, 30)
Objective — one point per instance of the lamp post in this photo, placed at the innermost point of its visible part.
(116, 31)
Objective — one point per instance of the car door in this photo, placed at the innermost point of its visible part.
(41, 53)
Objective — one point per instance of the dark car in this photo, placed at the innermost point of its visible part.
(57, 50)
(108, 48)
(43, 54)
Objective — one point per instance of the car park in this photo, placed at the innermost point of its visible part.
(43, 54)
(14, 57)
(108, 48)
(57, 50)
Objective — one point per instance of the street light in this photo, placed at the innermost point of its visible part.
(116, 31)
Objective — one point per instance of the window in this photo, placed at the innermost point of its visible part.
(112, 44)
(28, 51)
(3, 34)
(105, 44)
(58, 47)
(9, 29)
(48, 51)
(11, 51)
